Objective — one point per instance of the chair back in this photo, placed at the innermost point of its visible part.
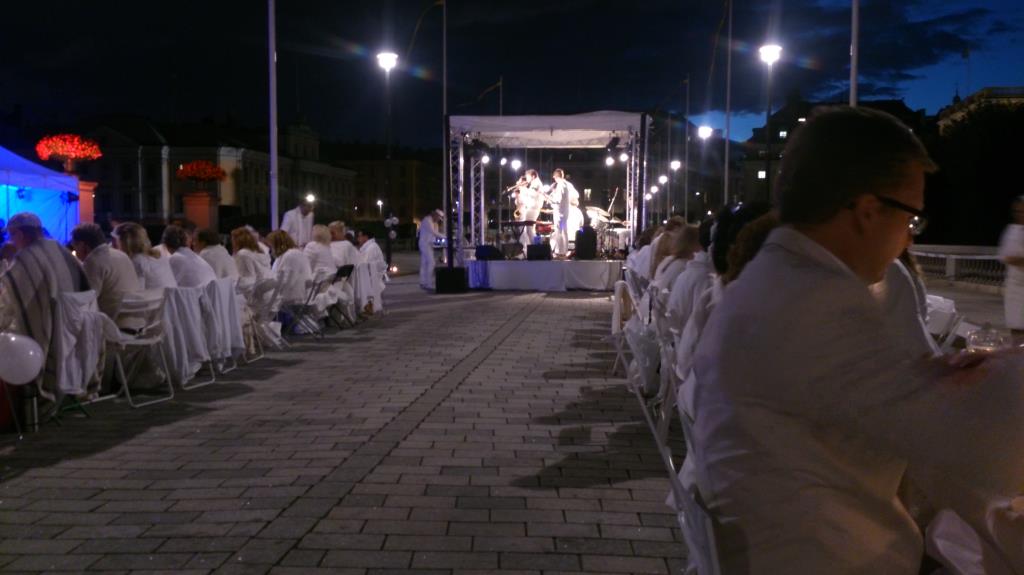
(143, 312)
(221, 322)
(80, 331)
(185, 340)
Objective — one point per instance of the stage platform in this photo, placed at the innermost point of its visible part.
(546, 276)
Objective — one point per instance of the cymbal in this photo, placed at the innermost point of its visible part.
(598, 210)
(596, 217)
(614, 221)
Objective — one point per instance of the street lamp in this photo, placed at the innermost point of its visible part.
(663, 179)
(654, 189)
(380, 207)
(623, 157)
(387, 61)
(704, 132)
(770, 54)
(310, 198)
(675, 165)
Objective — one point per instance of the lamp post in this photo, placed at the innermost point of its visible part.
(380, 208)
(704, 132)
(663, 182)
(675, 165)
(770, 54)
(387, 61)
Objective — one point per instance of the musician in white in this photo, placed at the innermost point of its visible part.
(428, 233)
(528, 204)
(563, 197)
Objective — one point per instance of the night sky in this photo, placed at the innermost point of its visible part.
(68, 61)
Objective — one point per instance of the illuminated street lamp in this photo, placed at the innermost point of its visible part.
(663, 179)
(704, 132)
(675, 165)
(387, 61)
(380, 207)
(654, 189)
(770, 54)
(623, 157)
(310, 198)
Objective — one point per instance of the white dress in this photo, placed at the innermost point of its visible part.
(221, 261)
(154, 272)
(295, 262)
(190, 270)
(1011, 244)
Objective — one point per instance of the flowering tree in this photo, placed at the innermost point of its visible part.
(68, 149)
(201, 171)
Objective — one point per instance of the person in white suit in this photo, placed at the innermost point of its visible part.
(298, 223)
(429, 232)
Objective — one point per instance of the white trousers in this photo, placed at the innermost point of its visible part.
(530, 231)
(427, 264)
(560, 235)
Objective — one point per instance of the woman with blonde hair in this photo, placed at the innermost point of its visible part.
(291, 262)
(154, 270)
(319, 250)
(248, 258)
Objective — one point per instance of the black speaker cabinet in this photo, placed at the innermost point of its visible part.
(586, 243)
(538, 252)
(487, 252)
(455, 280)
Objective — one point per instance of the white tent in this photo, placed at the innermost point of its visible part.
(28, 187)
(590, 130)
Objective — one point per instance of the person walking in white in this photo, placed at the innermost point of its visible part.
(428, 234)
(807, 409)
(298, 223)
(1011, 252)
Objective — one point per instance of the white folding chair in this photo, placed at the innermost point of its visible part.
(145, 309)
(617, 338)
(185, 341)
(222, 326)
(264, 302)
(304, 314)
(344, 305)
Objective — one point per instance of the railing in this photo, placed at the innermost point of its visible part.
(969, 264)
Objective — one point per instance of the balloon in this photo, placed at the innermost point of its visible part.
(21, 358)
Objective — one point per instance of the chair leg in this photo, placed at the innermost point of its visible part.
(118, 361)
(213, 377)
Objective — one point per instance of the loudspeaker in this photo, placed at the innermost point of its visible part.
(586, 243)
(488, 253)
(454, 280)
(538, 252)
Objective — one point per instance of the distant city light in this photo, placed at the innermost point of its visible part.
(783, 134)
(387, 60)
(761, 174)
(675, 165)
(654, 189)
(770, 53)
(310, 198)
(663, 179)
(801, 120)
(704, 132)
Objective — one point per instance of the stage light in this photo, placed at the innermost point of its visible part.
(648, 196)
(504, 161)
(623, 157)
(485, 159)
(770, 53)
(310, 198)
(663, 179)
(516, 164)
(704, 132)
(675, 165)
(609, 161)
(654, 189)
(387, 60)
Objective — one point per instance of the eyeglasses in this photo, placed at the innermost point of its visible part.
(917, 223)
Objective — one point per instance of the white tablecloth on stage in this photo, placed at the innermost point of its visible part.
(544, 275)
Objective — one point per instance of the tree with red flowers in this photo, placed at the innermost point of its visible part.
(67, 149)
(201, 171)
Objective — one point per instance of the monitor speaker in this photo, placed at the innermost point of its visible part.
(538, 252)
(586, 243)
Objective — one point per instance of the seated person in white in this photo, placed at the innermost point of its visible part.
(683, 244)
(248, 259)
(189, 269)
(371, 255)
(207, 241)
(693, 280)
(318, 250)
(152, 268)
(110, 272)
(263, 250)
(291, 267)
(344, 251)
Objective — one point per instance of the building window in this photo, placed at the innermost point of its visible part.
(783, 134)
(761, 174)
(801, 120)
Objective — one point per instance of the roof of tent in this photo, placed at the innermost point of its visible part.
(17, 171)
(590, 130)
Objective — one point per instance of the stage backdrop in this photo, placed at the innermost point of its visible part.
(28, 187)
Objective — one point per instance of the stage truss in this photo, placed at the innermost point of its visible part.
(591, 130)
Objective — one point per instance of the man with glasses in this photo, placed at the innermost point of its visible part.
(808, 411)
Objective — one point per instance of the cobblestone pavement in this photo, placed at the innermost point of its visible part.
(457, 434)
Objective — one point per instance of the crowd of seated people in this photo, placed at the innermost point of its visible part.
(35, 270)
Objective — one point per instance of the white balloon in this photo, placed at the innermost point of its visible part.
(21, 358)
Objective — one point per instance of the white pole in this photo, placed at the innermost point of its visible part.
(272, 58)
(686, 153)
(854, 49)
(444, 114)
(728, 104)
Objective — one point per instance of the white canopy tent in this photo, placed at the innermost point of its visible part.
(28, 187)
(588, 130)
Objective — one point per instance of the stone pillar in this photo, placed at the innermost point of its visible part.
(86, 201)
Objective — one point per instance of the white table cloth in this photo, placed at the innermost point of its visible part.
(553, 276)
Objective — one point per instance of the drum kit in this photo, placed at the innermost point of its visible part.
(608, 229)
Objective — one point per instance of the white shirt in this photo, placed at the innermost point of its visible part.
(190, 270)
(295, 262)
(299, 227)
(345, 253)
(899, 298)
(163, 251)
(320, 257)
(264, 254)
(251, 267)
(641, 261)
(807, 413)
(221, 261)
(686, 289)
(112, 275)
(154, 272)
(371, 254)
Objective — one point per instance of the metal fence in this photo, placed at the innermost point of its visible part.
(969, 264)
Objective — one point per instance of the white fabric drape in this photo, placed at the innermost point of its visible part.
(184, 340)
(154, 272)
